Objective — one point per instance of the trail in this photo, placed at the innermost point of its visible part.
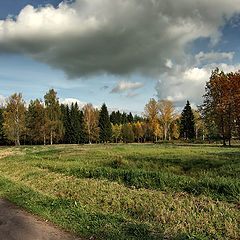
(16, 224)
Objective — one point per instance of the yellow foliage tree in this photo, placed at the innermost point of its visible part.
(138, 131)
(151, 114)
(166, 115)
(90, 117)
(116, 131)
(14, 118)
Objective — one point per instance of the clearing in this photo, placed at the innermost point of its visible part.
(134, 191)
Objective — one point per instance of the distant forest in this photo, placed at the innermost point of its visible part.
(48, 122)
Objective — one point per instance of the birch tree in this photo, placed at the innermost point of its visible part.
(14, 118)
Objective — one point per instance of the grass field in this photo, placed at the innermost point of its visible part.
(128, 191)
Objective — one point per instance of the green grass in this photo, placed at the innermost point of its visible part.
(128, 191)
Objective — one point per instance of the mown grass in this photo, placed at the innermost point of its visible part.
(129, 191)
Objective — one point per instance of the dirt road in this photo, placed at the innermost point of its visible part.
(16, 224)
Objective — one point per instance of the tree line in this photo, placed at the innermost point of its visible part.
(49, 122)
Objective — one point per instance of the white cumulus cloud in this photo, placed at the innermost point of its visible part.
(188, 83)
(69, 101)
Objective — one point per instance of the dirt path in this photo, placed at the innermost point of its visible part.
(16, 224)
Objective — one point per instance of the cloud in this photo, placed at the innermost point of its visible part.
(123, 86)
(69, 101)
(188, 83)
(121, 37)
(213, 57)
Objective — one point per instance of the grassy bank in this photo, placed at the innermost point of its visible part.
(128, 191)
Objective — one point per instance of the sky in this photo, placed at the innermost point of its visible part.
(120, 52)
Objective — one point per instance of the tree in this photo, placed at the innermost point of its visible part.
(220, 102)
(116, 131)
(124, 118)
(76, 125)
(158, 132)
(36, 121)
(105, 126)
(118, 118)
(91, 116)
(14, 118)
(166, 115)
(113, 118)
(2, 136)
(130, 117)
(55, 125)
(127, 133)
(138, 131)
(138, 119)
(65, 113)
(199, 125)
(174, 130)
(151, 114)
(187, 122)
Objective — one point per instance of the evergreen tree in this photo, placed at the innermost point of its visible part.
(82, 137)
(65, 112)
(138, 119)
(187, 123)
(113, 117)
(130, 117)
(104, 124)
(77, 126)
(124, 118)
(118, 118)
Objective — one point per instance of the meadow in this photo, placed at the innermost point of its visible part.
(131, 191)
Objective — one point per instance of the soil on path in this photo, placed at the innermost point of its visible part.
(16, 224)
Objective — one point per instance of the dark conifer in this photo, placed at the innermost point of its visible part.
(130, 117)
(187, 123)
(124, 118)
(104, 125)
(118, 117)
(113, 118)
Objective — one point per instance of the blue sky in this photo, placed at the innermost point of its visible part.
(119, 52)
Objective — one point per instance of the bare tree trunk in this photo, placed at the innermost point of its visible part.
(51, 137)
(17, 143)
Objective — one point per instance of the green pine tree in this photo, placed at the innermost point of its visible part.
(130, 117)
(187, 123)
(118, 118)
(124, 118)
(66, 123)
(77, 127)
(113, 117)
(104, 125)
